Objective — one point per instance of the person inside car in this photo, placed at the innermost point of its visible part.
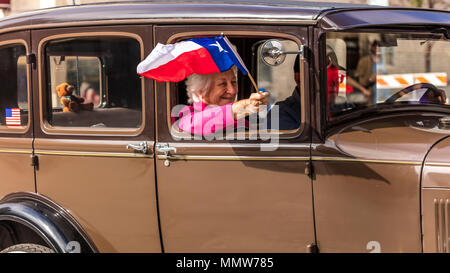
(289, 109)
(214, 105)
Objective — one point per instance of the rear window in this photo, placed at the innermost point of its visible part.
(101, 75)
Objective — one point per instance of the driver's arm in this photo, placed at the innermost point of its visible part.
(356, 84)
(438, 96)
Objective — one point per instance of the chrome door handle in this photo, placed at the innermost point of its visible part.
(165, 148)
(142, 147)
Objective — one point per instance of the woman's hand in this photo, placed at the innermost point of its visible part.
(249, 106)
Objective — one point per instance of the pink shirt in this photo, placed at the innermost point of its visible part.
(202, 119)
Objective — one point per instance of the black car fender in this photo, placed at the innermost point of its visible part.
(49, 221)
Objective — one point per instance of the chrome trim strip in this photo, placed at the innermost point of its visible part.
(227, 145)
(233, 158)
(281, 158)
(365, 160)
(16, 151)
(436, 164)
(168, 21)
(129, 155)
(436, 224)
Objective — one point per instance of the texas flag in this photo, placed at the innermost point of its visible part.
(175, 62)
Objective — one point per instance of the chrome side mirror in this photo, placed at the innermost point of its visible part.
(273, 52)
(444, 123)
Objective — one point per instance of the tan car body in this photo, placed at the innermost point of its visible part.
(381, 179)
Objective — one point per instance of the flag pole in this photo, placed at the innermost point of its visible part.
(253, 82)
(239, 60)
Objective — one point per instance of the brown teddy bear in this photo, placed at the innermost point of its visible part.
(71, 102)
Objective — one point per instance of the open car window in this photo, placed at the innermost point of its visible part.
(371, 70)
(281, 115)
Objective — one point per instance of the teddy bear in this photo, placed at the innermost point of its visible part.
(71, 102)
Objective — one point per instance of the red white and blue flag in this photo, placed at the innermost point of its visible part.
(175, 62)
(13, 117)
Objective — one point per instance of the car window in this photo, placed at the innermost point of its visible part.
(371, 70)
(83, 71)
(282, 113)
(14, 92)
(92, 82)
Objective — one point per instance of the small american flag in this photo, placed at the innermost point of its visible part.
(13, 117)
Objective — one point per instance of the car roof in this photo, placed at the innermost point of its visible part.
(291, 12)
(170, 12)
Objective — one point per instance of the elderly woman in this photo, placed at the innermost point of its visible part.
(214, 106)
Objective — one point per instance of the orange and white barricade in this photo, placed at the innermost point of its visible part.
(393, 81)
(399, 81)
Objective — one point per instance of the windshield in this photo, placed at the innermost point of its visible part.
(367, 70)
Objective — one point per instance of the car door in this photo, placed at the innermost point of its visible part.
(367, 186)
(15, 114)
(98, 164)
(233, 195)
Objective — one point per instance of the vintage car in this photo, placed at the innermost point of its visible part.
(364, 167)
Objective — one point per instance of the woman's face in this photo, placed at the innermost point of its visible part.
(223, 89)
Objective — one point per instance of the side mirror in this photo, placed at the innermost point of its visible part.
(444, 123)
(273, 52)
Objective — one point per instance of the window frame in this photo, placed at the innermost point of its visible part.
(284, 134)
(22, 128)
(46, 127)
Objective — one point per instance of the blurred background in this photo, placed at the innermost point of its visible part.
(10, 7)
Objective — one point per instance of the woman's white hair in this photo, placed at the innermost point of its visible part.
(201, 84)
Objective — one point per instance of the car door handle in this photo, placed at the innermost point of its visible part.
(142, 147)
(165, 148)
